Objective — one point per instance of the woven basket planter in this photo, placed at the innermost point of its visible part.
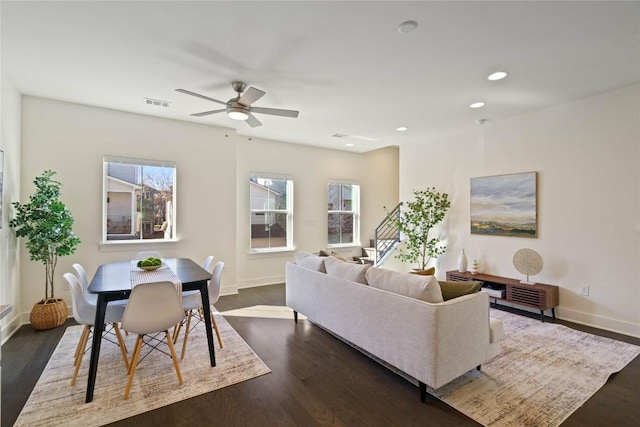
(49, 315)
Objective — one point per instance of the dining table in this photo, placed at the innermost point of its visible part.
(113, 282)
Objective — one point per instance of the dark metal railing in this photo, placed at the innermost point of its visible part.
(386, 234)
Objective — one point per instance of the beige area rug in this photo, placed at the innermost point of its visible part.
(545, 372)
(54, 402)
(264, 312)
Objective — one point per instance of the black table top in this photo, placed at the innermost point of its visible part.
(116, 276)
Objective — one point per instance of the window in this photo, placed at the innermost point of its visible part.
(271, 206)
(344, 214)
(139, 199)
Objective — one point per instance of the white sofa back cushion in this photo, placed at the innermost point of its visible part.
(310, 261)
(346, 270)
(425, 288)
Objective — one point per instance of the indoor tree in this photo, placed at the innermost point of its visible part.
(46, 224)
(415, 222)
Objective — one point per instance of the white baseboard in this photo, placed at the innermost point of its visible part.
(600, 322)
(11, 327)
(228, 290)
(587, 319)
(262, 281)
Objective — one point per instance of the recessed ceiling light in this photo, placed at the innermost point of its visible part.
(349, 145)
(407, 27)
(402, 128)
(477, 105)
(498, 75)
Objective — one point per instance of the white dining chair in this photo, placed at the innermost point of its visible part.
(193, 306)
(185, 294)
(153, 308)
(208, 262)
(92, 298)
(148, 254)
(84, 313)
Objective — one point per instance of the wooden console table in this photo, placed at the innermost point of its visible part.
(540, 296)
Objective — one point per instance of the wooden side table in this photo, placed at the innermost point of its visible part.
(540, 296)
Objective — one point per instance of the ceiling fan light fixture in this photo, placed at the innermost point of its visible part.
(477, 105)
(237, 114)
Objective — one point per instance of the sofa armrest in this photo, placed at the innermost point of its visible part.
(461, 336)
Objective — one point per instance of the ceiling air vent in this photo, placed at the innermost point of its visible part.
(156, 102)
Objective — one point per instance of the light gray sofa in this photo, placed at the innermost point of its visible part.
(433, 342)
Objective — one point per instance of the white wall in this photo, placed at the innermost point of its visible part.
(213, 166)
(587, 155)
(10, 291)
(72, 140)
(311, 169)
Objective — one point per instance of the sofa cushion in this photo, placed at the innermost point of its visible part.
(341, 258)
(452, 290)
(310, 261)
(346, 270)
(425, 288)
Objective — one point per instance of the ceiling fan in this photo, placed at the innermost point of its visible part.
(239, 108)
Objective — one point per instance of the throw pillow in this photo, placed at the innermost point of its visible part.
(452, 290)
(346, 270)
(424, 288)
(310, 261)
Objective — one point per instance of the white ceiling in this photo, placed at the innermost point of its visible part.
(343, 65)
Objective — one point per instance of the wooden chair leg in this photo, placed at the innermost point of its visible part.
(79, 349)
(122, 345)
(132, 366)
(186, 335)
(174, 356)
(215, 328)
(82, 345)
(176, 329)
(134, 355)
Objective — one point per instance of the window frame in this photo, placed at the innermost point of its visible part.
(355, 211)
(106, 160)
(288, 211)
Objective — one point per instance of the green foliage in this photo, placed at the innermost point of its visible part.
(415, 223)
(47, 224)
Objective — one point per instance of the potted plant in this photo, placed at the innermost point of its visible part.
(47, 224)
(415, 223)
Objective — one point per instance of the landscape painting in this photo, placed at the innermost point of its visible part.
(504, 205)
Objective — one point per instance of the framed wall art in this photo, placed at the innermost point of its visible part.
(505, 205)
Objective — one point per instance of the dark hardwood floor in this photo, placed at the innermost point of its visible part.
(316, 380)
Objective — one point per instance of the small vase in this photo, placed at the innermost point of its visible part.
(474, 269)
(462, 262)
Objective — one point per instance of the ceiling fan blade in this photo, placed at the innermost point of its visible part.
(188, 92)
(250, 96)
(252, 121)
(206, 113)
(275, 112)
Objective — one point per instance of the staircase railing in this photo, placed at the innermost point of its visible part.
(386, 234)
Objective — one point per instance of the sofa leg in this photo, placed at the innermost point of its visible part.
(423, 391)
(295, 316)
